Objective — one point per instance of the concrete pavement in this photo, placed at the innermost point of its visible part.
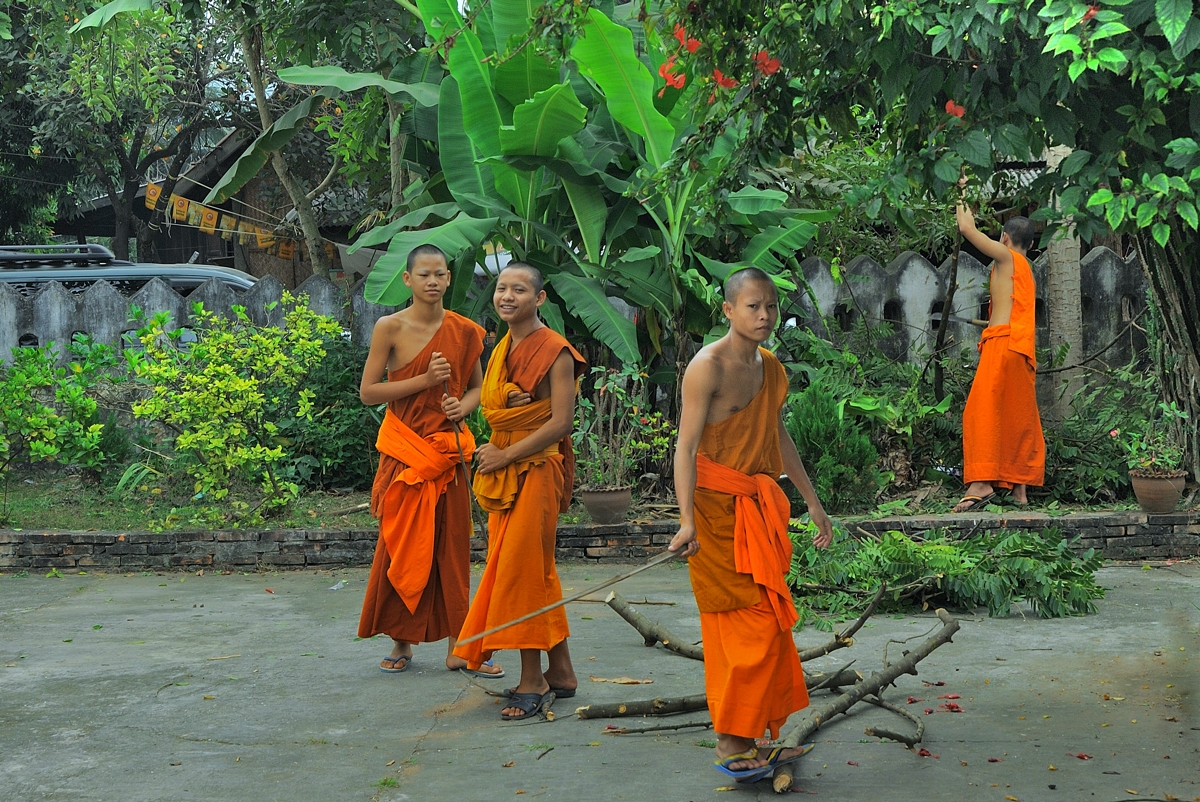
(185, 687)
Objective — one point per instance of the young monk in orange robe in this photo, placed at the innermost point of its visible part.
(523, 478)
(420, 579)
(1002, 431)
(733, 526)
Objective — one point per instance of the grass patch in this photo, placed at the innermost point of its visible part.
(50, 501)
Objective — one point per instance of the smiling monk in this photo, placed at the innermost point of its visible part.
(420, 579)
(523, 478)
(733, 525)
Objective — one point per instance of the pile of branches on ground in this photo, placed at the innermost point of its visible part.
(993, 569)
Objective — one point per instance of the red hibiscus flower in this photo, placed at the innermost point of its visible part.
(692, 45)
(955, 109)
(722, 81)
(1087, 15)
(765, 64)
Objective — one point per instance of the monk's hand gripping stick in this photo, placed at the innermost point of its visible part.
(462, 460)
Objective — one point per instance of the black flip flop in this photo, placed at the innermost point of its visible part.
(976, 501)
(559, 693)
(527, 703)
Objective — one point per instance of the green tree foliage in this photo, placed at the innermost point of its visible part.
(994, 570)
(968, 84)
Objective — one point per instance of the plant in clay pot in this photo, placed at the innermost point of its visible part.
(616, 436)
(1154, 456)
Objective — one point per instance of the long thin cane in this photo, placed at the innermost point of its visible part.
(462, 460)
(659, 560)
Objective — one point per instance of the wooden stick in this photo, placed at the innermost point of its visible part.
(651, 631)
(685, 704)
(659, 728)
(869, 686)
(907, 740)
(356, 508)
(659, 560)
(845, 637)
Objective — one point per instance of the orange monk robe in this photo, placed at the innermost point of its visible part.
(523, 501)
(420, 579)
(752, 674)
(1002, 431)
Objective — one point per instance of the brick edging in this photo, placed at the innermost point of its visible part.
(1115, 535)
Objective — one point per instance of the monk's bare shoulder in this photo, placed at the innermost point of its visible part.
(707, 367)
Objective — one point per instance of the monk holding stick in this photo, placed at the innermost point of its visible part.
(733, 524)
(420, 580)
(1003, 445)
(523, 478)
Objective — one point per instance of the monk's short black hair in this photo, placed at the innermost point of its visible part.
(1020, 231)
(738, 278)
(424, 250)
(535, 275)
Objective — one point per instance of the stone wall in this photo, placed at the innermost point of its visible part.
(1116, 535)
(54, 315)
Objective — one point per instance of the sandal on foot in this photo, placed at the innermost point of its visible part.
(774, 761)
(527, 703)
(973, 502)
(722, 764)
(407, 658)
(559, 693)
(474, 672)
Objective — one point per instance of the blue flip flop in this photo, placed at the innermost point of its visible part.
(394, 660)
(471, 672)
(755, 774)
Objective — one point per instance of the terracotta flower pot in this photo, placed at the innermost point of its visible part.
(609, 505)
(1158, 493)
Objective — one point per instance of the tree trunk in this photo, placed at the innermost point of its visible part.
(396, 143)
(251, 39)
(1173, 276)
(1064, 298)
(939, 370)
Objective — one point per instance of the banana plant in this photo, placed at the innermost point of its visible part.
(577, 159)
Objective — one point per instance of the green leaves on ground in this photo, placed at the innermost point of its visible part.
(994, 570)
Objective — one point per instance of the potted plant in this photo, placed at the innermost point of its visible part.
(616, 436)
(1154, 456)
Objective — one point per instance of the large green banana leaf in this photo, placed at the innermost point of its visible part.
(541, 122)
(751, 200)
(423, 93)
(647, 283)
(767, 247)
(466, 177)
(446, 211)
(271, 140)
(523, 75)
(605, 54)
(586, 300)
(440, 17)
(92, 23)
(512, 18)
(464, 233)
(591, 213)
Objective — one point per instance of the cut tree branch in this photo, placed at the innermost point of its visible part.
(869, 686)
(651, 631)
(907, 740)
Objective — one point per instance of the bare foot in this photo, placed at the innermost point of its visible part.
(455, 663)
(399, 659)
(731, 745)
(1020, 495)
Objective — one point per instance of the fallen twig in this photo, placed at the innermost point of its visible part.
(651, 631)
(366, 505)
(658, 728)
(907, 740)
(868, 686)
(846, 637)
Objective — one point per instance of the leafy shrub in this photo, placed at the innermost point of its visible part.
(221, 392)
(993, 570)
(838, 454)
(46, 413)
(336, 445)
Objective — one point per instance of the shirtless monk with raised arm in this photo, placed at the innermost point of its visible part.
(1003, 445)
(523, 478)
(420, 579)
(733, 526)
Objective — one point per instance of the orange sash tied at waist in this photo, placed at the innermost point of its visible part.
(410, 502)
(761, 545)
(496, 491)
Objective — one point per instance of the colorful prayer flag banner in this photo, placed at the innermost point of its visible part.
(153, 193)
(263, 238)
(194, 214)
(229, 225)
(179, 208)
(208, 220)
(245, 230)
(287, 248)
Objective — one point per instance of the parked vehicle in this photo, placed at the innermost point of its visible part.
(28, 268)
